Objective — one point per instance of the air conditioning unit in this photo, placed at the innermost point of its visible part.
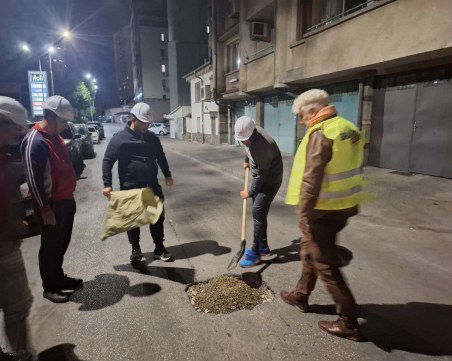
(259, 31)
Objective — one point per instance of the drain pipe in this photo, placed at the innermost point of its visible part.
(202, 108)
(215, 72)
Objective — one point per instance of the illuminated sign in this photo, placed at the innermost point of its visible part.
(37, 83)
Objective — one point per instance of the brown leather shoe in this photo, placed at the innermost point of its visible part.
(342, 328)
(295, 299)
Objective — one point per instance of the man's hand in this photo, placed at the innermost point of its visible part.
(107, 191)
(244, 194)
(48, 218)
(246, 165)
(169, 181)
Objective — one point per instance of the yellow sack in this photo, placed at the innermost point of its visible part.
(131, 209)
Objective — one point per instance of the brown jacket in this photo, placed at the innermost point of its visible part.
(319, 153)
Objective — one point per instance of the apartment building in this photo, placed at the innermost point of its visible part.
(123, 64)
(149, 47)
(386, 63)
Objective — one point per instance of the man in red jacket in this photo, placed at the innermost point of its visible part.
(15, 295)
(52, 182)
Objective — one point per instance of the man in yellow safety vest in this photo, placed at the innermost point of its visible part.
(326, 184)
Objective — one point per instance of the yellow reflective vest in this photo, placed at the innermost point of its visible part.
(343, 182)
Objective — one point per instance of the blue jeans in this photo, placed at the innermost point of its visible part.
(261, 206)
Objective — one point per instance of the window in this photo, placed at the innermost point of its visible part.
(162, 52)
(163, 83)
(233, 56)
(162, 37)
(163, 68)
(198, 92)
(164, 96)
(207, 92)
(314, 14)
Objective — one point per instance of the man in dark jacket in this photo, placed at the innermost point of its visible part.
(15, 295)
(264, 157)
(139, 154)
(52, 181)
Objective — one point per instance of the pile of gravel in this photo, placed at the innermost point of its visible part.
(226, 294)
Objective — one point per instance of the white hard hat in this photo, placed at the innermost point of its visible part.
(13, 110)
(244, 127)
(142, 112)
(60, 106)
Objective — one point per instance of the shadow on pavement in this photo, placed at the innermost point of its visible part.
(194, 249)
(288, 254)
(175, 274)
(107, 289)
(416, 327)
(62, 352)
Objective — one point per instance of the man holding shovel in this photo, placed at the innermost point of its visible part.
(139, 153)
(264, 159)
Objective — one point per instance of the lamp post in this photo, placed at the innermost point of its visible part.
(93, 85)
(50, 51)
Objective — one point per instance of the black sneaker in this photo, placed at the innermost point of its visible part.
(136, 255)
(162, 254)
(56, 297)
(71, 284)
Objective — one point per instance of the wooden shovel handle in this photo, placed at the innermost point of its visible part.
(247, 173)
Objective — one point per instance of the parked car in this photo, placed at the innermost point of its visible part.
(159, 128)
(73, 142)
(87, 141)
(100, 129)
(94, 134)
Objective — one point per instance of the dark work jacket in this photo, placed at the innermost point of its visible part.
(138, 156)
(265, 161)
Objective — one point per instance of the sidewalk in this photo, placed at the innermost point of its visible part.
(416, 202)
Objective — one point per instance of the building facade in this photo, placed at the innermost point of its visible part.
(187, 44)
(149, 46)
(385, 63)
(204, 125)
(123, 64)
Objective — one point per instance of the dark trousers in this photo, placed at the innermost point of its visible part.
(157, 229)
(261, 207)
(157, 233)
(54, 243)
(319, 257)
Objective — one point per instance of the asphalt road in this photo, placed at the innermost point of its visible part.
(402, 280)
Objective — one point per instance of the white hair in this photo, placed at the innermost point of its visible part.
(314, 98)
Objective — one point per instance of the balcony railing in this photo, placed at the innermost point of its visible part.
(333, 19)
(260, 53)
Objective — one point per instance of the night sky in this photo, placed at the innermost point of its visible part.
(40, 23)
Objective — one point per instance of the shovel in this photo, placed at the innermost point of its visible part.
(240, 253)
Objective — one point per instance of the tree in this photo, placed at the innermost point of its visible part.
(82, 100)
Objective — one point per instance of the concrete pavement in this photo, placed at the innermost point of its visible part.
(401, 273)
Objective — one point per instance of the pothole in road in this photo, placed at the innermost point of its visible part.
(228, 293)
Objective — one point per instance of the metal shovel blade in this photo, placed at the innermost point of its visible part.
(238, 256)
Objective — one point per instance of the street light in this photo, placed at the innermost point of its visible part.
(66, 34)
(51, 50)
(94, 86)
(25, 47)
